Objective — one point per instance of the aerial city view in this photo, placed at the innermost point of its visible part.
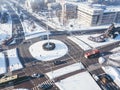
(59, 44)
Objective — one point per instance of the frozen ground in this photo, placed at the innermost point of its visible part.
(39, 53)
(2, 64)
(65, 70)
(87, 44)
(14, 62)
(30, 27)
(114, 72)
(5, 30)
(116, 49)
(115, 56)
(81, 81)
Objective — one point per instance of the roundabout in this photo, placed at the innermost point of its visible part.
(58, 50)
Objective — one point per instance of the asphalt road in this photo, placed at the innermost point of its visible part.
(75, 54)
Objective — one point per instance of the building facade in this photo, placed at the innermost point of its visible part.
(95, 14)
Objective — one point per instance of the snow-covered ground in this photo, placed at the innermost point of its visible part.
(14, 62)
(80, 43)
(65, 70)
(5, 30)
(54, 22)
(87, 44)
(115, 56)
(114, 72)
(39, 53)
(81, 81)
(30, 27)
(2, 64)
(116, 49)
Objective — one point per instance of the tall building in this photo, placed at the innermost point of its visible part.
(97, 14)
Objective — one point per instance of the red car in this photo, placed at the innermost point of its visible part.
(92, 53)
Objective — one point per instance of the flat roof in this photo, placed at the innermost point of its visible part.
(79, 81)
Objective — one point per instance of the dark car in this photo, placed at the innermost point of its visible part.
(46, 86)
(58, 62)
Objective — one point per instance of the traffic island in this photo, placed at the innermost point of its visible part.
(42, 52)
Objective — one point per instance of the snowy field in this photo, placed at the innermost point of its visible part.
(2, 64)
(32, 30)
(81, 81)
(14, 62)
(31, 27)
(86, 44)
(5, 30)
(65, 70)
(39, 53)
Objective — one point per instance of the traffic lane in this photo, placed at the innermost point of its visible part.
(16, 26)
(39, 22)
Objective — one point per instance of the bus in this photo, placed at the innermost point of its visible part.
(8, 79)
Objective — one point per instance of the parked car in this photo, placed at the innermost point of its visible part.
(58, 62)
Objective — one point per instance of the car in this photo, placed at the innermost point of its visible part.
(58, 62)
(46, 86)
(92, 53)
(37, 75)
(105, 78)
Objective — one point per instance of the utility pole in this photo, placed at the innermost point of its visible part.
(63, 12)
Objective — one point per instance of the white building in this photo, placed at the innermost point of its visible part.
(97, 14)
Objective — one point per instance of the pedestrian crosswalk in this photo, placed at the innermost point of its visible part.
(47, 82)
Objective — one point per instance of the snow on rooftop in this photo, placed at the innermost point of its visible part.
(81, 81)
(65, 70)
(39, 53)
(2, 64)
(14, 62)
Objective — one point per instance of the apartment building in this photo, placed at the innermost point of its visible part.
(96, 14)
